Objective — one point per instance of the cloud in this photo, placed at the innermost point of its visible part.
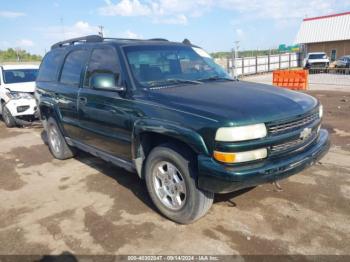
(178, 11)
(25, 43)
(159, 11)
(239, 32)
(80, 28)
(180, 19)
(130, 34)
(10, 14)
(125, 8)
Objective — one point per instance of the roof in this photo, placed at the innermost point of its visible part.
(10, 67)
(327, 28)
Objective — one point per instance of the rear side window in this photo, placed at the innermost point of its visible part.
(72, 68)
(50, 65)
(103, 60)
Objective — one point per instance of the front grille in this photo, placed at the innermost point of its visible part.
(318, 64)
(276, 128)
(296, 144)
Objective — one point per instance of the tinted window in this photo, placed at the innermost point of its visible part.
(317, 56)
(160, 65)
(72, 67)
(19, 75)
(103, 60)
(50, 65)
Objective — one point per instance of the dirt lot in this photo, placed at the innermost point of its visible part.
(86, 206)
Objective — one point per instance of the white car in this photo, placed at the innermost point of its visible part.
(316, 60)
(17, 85)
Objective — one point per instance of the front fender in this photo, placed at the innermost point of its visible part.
(173, 130)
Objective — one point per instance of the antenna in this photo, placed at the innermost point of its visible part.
(100, 31)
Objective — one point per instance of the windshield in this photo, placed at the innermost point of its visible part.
(317, 56)
(154, 66)
(19, 75)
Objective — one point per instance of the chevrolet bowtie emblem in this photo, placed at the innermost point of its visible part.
(305, 133)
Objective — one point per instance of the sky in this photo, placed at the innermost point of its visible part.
(212, 24)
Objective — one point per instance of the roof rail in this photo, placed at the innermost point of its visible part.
(86, 39)
(97, 38)
(158, 39)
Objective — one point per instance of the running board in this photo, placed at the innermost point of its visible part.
(129, 166)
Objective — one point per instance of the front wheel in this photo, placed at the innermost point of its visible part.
(9, 120)
(171, 182)
(57, 144)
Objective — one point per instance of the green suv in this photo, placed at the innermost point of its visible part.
(166, 111)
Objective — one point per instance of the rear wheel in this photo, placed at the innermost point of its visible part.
(171, 182)
(9, 120)
(57, 144)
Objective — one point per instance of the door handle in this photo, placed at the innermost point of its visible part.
(82, 100)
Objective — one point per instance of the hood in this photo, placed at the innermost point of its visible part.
(324, 60)
(237, 102)
(27, 87)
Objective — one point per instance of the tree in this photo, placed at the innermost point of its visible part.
(17, 55)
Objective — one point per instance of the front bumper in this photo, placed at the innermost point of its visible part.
(219, 178)
(29, 104)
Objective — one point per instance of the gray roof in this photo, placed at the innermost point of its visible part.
(324, 29)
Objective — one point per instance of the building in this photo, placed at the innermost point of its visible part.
(329, 34)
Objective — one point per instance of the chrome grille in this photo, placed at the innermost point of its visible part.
(295, 144)
(287, 126)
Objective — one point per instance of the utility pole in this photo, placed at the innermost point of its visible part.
(100, 31)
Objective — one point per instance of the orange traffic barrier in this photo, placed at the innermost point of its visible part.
(291, 79)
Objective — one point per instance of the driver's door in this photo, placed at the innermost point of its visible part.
(103, 115)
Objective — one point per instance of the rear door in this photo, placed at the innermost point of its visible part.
(70, 80)
(104, 115)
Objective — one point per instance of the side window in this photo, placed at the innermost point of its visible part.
(50, 65)
(105, 61)
(72, 68)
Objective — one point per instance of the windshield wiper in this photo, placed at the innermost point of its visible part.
(172, 81)
(215, 78)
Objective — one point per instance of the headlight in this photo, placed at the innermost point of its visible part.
(320, 111)
(240, 133)
(19, 95)
(239, 157)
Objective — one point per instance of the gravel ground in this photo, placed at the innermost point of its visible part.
(86, 206)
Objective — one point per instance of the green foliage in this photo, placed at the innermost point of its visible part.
(12, 55)
(246, 53)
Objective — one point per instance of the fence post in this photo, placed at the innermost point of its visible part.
(290, 58)
(279, 61)
(243, 66)
(256, 64)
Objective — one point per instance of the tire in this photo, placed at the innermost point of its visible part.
(176, 196)
(57, 144)
(9, 120)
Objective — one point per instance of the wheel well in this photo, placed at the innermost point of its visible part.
(45, 112)
(150, 140)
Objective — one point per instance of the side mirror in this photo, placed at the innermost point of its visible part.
(105, 81)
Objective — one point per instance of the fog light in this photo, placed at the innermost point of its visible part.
(320, 111)
(21, 109)
(240, 157)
